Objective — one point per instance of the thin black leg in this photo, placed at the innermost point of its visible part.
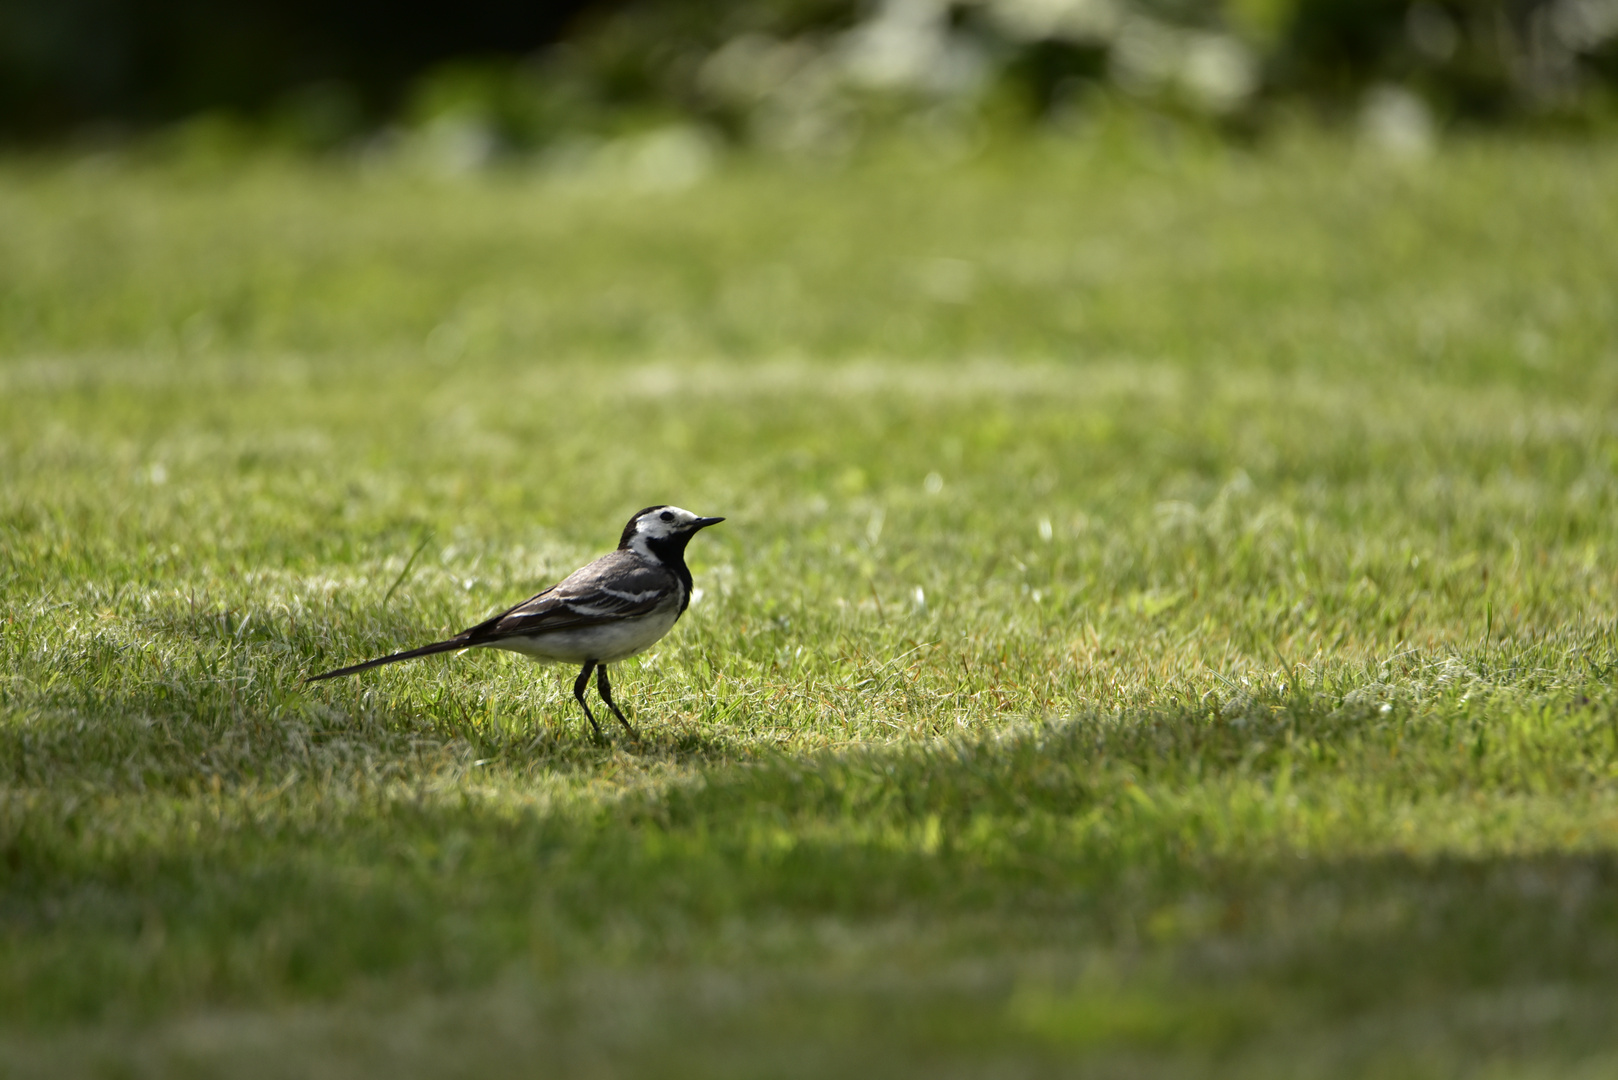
(606, 695)
(580, 685)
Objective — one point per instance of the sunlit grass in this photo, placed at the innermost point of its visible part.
(1164, 616)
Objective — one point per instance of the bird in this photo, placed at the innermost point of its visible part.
(606, 611)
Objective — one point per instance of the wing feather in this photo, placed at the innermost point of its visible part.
(585, 598)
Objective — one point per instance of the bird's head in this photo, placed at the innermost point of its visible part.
(661, 530)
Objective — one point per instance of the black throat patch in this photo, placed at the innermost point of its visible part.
(670, 551)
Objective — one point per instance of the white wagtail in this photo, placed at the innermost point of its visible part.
(615, 607)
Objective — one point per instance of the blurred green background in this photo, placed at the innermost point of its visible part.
(1163, 625)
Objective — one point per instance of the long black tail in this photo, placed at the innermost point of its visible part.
(457, 642)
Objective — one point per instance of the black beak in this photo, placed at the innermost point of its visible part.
(703, 523)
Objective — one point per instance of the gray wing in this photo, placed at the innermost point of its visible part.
(616, 586)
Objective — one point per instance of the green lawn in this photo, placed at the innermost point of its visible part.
(1163, 625)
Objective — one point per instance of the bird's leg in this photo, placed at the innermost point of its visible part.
(606, 695)
(580, 685)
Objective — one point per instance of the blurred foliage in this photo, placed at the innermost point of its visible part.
(813, 74)
(104, 65)
(818, 74)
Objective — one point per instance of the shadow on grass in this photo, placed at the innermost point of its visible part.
(152, 732)
(348, 839)
(243, 901)
(137, 729)
(842, 871)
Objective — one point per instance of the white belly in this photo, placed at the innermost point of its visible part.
(605, 644)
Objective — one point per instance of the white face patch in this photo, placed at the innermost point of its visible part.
(666, 527)
(663, 522)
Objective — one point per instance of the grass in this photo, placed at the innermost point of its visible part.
(1163, 625)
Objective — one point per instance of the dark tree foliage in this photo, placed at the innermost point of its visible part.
(1479, 60)
(65, 63)
(323, 71)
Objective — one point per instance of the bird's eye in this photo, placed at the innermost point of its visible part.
(666, 516)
